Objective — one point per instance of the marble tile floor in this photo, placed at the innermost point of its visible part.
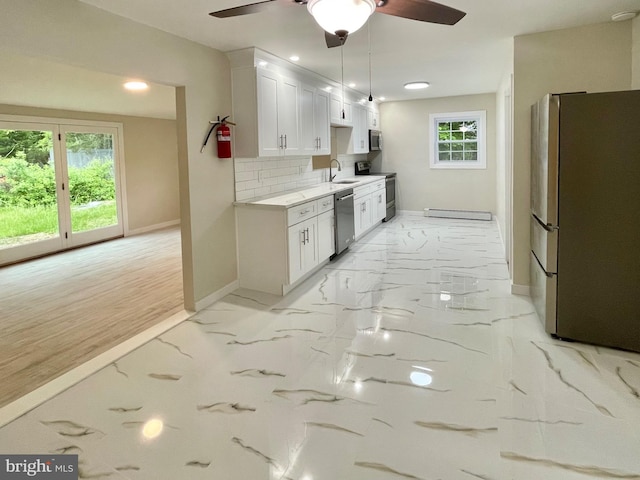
(407, 358)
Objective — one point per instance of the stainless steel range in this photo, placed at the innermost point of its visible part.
(364, 168)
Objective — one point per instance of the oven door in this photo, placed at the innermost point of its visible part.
(391, 198)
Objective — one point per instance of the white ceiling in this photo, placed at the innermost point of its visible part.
(35, 82)
(470, 57)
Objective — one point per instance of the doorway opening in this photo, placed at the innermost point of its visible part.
(60, 186)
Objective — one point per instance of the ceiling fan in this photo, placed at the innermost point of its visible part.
(339, 18)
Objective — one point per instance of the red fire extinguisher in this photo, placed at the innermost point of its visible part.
(224, 140)
(223, 136)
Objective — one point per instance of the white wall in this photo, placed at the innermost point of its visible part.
(504, 148)
(406, 151)
(67, 31)
(594, 58)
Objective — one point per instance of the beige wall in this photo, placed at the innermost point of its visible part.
(67, 31)
(406, 151)
(594, 58)
(151, 163)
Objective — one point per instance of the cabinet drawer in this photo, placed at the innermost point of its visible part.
(325, 204)
(302, 212)
(361, 191)
(378, 186)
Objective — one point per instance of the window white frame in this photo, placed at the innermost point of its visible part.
(480, 117)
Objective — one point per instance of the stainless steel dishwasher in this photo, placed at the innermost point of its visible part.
(345, 228)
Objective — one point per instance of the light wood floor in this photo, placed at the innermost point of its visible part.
(59, 311)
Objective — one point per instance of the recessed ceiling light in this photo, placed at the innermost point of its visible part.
(352, 85)
(328, 89)
(294, 58)
(262, 63)
(382, 99)
(622, 16)
(136, 85)
(416, 85)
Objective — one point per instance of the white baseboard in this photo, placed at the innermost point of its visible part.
(457, 214)
(520, 290)
(15, 409)
(217, 295)
(151, 228)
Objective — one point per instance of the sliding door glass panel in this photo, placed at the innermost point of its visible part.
(91, 170)
(28, 193)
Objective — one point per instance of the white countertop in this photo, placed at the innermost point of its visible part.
(292, 198)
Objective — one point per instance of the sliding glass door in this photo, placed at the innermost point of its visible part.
(59, 187)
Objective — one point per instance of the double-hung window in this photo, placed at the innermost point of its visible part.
(458, 140)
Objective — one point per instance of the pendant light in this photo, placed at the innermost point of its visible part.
(345, 16)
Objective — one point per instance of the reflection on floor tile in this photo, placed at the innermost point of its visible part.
(407, 358)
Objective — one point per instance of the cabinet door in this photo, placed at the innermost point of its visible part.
(308, 136)
(322, 125)
(269, 141)
(326, 235)
(303, 248)
(358, 217)
(373, 119)
(367, 219)
(360, 130)
(289, 115)
(379, 205)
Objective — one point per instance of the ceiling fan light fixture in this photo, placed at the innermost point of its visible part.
(416, 85)
(341, 15)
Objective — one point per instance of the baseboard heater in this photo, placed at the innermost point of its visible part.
(462, 214)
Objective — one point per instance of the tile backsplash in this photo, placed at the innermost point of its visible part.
(255, 177)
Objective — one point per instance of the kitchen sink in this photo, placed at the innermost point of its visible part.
(346, 182)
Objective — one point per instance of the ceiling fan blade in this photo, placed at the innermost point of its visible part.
(243, 10)
(334, 40)
(254, 8)
(421, 10)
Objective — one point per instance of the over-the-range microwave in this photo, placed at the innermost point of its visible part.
(375, 140)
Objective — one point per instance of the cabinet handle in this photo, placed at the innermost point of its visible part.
(303, 238)
(285, 142)
(379, 198)
(304, 212)
(307, 237)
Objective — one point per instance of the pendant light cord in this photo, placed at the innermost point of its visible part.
(369, 34)
(342, 66)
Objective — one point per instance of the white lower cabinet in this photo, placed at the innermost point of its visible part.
(369, 206)
(303, 248)
(326, 234)
(379, 201)
(277, 247)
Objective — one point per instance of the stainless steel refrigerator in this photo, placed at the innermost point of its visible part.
(585, 217)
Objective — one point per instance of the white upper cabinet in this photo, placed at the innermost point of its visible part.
(360, 130)
(281, 110)
(314, 121)
(373, 117)
(278, 115)
(322, 124)
(337, 108)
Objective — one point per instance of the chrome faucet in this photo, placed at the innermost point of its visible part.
(331, 177)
